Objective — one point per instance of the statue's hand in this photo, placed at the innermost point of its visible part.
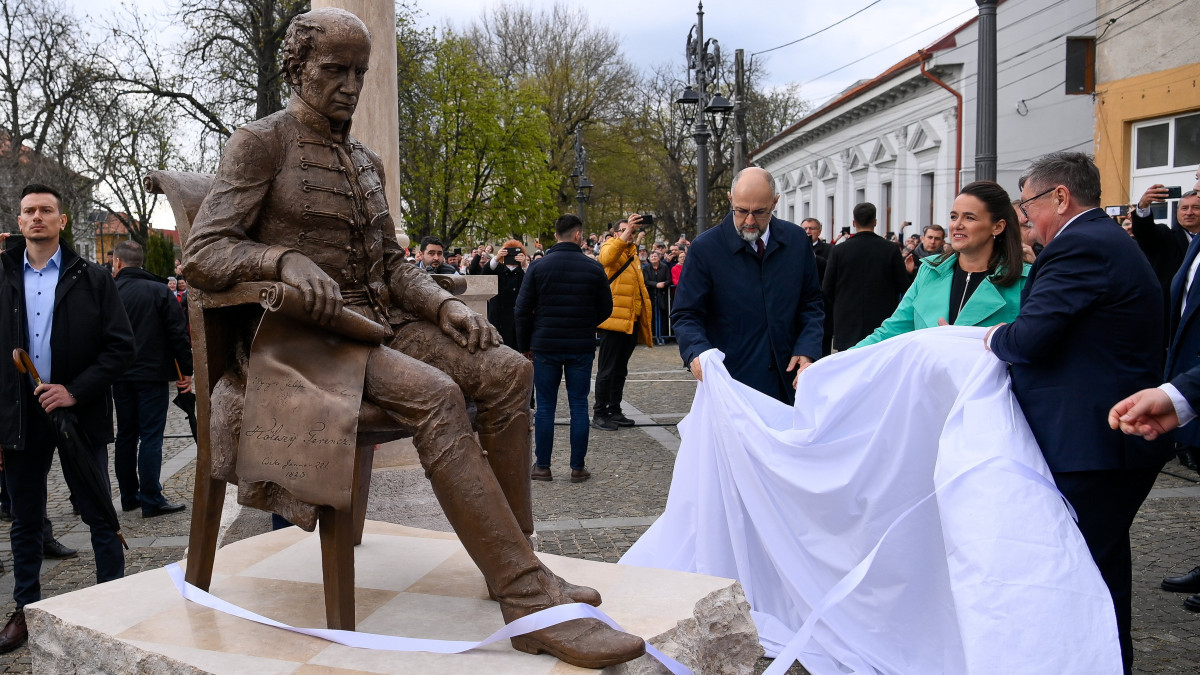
(467, 328)
(322, 296)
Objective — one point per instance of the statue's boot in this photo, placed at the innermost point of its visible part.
(509, 454)
(587, 643)
(476, 508)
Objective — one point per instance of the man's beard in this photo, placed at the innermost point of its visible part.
(749, 237)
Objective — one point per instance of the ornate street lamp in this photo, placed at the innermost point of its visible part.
(583, 186)
(703, 105)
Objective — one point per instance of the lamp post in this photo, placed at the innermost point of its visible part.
(704, 61)
(985, 122)
(583, 186)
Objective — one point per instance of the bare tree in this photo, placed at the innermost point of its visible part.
(127, 136)
(46, 77)
(226, 72)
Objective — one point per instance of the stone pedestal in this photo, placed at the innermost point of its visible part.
(409, 582)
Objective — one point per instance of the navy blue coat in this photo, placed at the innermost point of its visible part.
(1183, 359)
(759, 314)
(159, 328)
(1087, 336)
(564, 297)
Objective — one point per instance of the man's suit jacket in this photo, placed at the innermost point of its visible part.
(863, 283)
(821, 250)
(759, 313)
(1183, 358)
(1086, 337)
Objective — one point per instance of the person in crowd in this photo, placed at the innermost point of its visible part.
(1127, 225)
(562, 301)
(433, 257)
(537, 255)
(750, 289)
(509, 270)
(821, 250)
(69, 318)
(1089, 334)
(864, 280)
(933, 241)
(678, 268)
(980, 283)
(628, 325)
(140, 398)
(1165, 246)
(658, 286)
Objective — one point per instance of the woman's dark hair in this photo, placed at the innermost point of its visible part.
(1007, 257)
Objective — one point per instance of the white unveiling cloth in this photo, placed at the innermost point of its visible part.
(913, 451)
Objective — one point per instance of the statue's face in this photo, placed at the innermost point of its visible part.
(332, 77)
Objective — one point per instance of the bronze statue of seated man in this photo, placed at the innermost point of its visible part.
(298, 200)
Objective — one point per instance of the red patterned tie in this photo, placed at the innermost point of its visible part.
(760, 247)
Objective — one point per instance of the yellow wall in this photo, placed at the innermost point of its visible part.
(1120, 103)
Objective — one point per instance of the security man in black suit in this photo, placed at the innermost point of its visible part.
(864, 280)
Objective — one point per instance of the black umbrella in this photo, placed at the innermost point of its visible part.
(74, 449)
(186, 401)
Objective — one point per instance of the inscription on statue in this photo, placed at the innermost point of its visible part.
(300, 425)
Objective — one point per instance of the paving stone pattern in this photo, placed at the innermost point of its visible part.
(601, 518)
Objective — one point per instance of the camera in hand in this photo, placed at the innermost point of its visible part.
(510, 255)
(647, 219)
(1174, 192)
(845, 230)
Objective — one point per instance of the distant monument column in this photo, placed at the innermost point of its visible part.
(376, 122)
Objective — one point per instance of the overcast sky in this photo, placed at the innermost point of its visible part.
(655, 31)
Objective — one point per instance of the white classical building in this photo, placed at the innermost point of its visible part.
(895, 140)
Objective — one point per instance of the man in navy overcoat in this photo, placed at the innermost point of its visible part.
(750, 289)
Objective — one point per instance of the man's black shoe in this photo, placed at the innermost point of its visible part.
(621, 420)
(1188, 583)
(1192, 602)
(127, 508)
(5, 514)
(604, 423)
(163, 510)
(15, 633)
(55, 549)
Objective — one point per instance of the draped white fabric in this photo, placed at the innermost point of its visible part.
(906, 467)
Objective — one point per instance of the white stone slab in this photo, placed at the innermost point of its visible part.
(418, 583)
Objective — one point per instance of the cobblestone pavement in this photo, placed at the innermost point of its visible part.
(601, 518)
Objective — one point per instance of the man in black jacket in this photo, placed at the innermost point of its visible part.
(139, 396)
(863, 282)
(66, 313)
(562, 301)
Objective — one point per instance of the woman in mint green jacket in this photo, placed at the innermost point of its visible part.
(977, 285)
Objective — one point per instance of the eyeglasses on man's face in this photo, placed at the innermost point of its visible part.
(759, 214)
(1037, 196)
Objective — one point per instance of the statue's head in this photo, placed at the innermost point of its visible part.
(325, 57)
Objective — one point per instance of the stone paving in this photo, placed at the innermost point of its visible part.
(599, 519)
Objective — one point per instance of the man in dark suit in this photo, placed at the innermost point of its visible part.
(863, 282)
(821, 249)
(1164, 248)
(1173, 405)
(1091, 315)
(749, 288)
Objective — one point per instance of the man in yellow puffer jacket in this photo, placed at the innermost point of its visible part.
(628, 325)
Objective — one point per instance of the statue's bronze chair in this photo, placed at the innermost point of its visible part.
(215, 321)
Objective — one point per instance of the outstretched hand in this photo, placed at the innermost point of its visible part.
(1149, 413)
(467, 328)
(322, 296)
